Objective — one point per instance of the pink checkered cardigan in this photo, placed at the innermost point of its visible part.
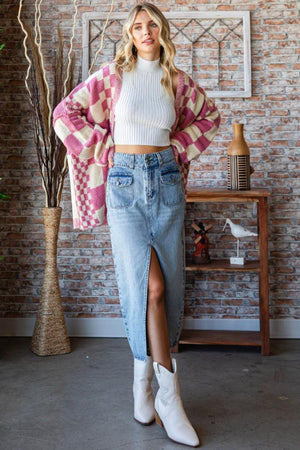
(84, 121)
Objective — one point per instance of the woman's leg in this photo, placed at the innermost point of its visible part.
(168, 406)
(157, 328)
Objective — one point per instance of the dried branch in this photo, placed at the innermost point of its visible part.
(51, 152)
(102, 38)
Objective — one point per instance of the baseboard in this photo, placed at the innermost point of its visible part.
(102, 327)
(113, 327)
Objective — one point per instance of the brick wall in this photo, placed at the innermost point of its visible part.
(87, 279)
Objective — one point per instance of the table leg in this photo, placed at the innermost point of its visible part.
(264, 275)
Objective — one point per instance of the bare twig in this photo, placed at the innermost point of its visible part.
(51, 152)
(102, 38)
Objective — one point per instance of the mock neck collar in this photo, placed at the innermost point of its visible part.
(145, 65)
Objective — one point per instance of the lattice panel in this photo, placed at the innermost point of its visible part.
(214, 48)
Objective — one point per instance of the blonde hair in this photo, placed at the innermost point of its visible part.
(126, 55)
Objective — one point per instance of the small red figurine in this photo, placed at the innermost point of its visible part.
(201, 254)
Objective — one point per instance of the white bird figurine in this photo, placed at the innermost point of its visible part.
(238, 232)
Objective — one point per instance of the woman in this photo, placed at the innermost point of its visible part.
(146, 120)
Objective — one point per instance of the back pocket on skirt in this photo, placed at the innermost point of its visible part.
(120, 191)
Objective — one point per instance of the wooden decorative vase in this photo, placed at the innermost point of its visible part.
(50, 333)
(238, 161)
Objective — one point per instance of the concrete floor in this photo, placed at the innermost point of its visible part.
(235, 398)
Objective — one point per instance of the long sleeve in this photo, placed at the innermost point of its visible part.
(82, 119)
(198, 122)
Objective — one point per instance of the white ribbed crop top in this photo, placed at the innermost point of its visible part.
(144, 113)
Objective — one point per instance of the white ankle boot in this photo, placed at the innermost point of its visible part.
(142, 391)
(169, 411)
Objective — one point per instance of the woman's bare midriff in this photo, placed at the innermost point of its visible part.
(139, 149)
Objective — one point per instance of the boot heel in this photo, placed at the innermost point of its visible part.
(158, 420)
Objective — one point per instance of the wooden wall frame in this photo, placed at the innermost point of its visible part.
(179, 21)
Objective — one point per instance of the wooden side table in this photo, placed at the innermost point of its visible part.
(262, 337)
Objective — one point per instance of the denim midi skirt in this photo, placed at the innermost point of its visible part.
(145, 208)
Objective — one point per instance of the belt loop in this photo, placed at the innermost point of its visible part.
(132, 162)
(160, 158)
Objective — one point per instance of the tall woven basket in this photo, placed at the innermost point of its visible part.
(50, 333)
(238, 161)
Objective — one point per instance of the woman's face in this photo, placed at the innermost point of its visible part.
(145, 34)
